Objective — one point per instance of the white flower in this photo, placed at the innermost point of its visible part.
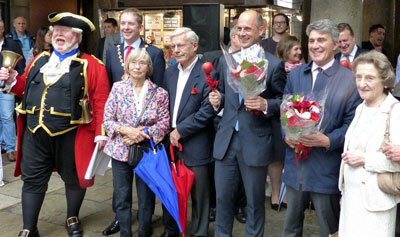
(305, 115)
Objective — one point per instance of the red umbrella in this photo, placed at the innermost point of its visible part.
(183, 179)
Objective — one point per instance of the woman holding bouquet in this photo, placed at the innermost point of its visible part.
(366, 210)
(122, 111)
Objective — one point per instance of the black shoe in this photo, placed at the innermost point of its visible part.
(27, 233)
(283, 205)
(112, 228)
(73, 226)
(211, 216)
(274, 206)
(165, 234)
(241, 215)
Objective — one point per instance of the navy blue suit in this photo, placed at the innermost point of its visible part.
(194, 124)
(247, 151)
(115, 69)
(358, 52)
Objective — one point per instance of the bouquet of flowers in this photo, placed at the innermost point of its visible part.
(301, 115)
(247, 70)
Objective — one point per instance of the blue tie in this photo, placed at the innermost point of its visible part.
(237, 121)
(320, 81)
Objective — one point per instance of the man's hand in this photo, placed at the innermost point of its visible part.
(290, 142)
(215, 99)
(392, 152)
(353, 160)
(315, 140)
(174, 137)
(7, 75)
(256, 103)
(133, 135)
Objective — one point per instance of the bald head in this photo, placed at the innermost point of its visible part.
(250, 28)
(19, 24)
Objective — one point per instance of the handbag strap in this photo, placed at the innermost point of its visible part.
(144, 108)
(386, 136)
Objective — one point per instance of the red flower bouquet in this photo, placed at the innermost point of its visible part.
(247, 69)
(300, 115)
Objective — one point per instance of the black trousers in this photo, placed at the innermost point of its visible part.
(41, 153)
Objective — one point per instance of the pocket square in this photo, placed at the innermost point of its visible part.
(194, 91)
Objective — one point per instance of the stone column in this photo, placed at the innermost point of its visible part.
(347, 11)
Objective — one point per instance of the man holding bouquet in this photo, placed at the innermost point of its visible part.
(243, 141)
(315, 178)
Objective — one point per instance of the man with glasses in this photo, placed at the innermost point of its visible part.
(280, 25)
(191, 125)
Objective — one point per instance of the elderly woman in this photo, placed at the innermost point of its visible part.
(289, 50)
(366, 210)
(124, 105)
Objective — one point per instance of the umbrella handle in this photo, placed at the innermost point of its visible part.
(171, 150)
(146, 130)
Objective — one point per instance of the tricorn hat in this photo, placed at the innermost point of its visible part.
(71, 20)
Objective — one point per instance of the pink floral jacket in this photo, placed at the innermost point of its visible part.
(120, 110)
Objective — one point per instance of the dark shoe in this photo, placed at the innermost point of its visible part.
(283, 205)
(27, 233)
(241, 215)
(165, 234)
(112, 228)
(211, 216)
(275, 206)
(11, 156)
(73, 226)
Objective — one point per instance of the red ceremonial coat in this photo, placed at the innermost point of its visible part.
(98, 89)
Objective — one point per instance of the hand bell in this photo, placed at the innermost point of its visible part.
(10, 59)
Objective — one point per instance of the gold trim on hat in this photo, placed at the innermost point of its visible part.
(66, 14)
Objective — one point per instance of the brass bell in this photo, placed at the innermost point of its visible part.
(10, 58)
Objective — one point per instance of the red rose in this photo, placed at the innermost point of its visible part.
(292, 121)
(314, 117)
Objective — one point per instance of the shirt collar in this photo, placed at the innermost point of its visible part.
(326, 66)
(134, 45)
(190, 66)
(61, 57)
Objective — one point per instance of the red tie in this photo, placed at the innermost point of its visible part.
(128, 52)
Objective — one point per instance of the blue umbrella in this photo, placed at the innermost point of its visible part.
(282, 193)
(154, 170)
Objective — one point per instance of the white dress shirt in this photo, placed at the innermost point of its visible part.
(182, 79)
(134, 45)
(314, 69)
(351, 56)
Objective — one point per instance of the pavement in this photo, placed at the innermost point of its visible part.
(96, 212)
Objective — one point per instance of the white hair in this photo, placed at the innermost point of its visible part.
(190, 34)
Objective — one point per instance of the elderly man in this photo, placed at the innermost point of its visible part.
(131, 25)
(376, 38)
(316, 178)
(7, 102)
(191, 123)
(347, 45)
(243, 141)
(25, 39)
(56, 129)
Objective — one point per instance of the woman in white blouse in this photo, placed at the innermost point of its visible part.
(365, 209)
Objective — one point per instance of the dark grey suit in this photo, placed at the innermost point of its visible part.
(247, 151)
(358, 52)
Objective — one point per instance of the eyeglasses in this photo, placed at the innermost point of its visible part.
(140, 63)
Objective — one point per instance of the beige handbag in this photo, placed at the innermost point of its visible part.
(389, 182)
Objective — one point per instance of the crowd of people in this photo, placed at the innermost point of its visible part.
(72, 103)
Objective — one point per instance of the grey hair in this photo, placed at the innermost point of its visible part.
(324, 26)
(234, 31)
(137, 54)
(382, 65)
(190, 34)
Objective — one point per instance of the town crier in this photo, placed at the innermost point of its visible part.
(63, 96)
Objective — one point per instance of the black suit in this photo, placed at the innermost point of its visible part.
(358, 52)
(368, 46)
(194, 124)
(247, 151)
(100, 48)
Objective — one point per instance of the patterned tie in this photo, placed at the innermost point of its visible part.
(237, 121)
(128, 52)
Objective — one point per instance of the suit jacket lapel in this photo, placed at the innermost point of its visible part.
(190, 84)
